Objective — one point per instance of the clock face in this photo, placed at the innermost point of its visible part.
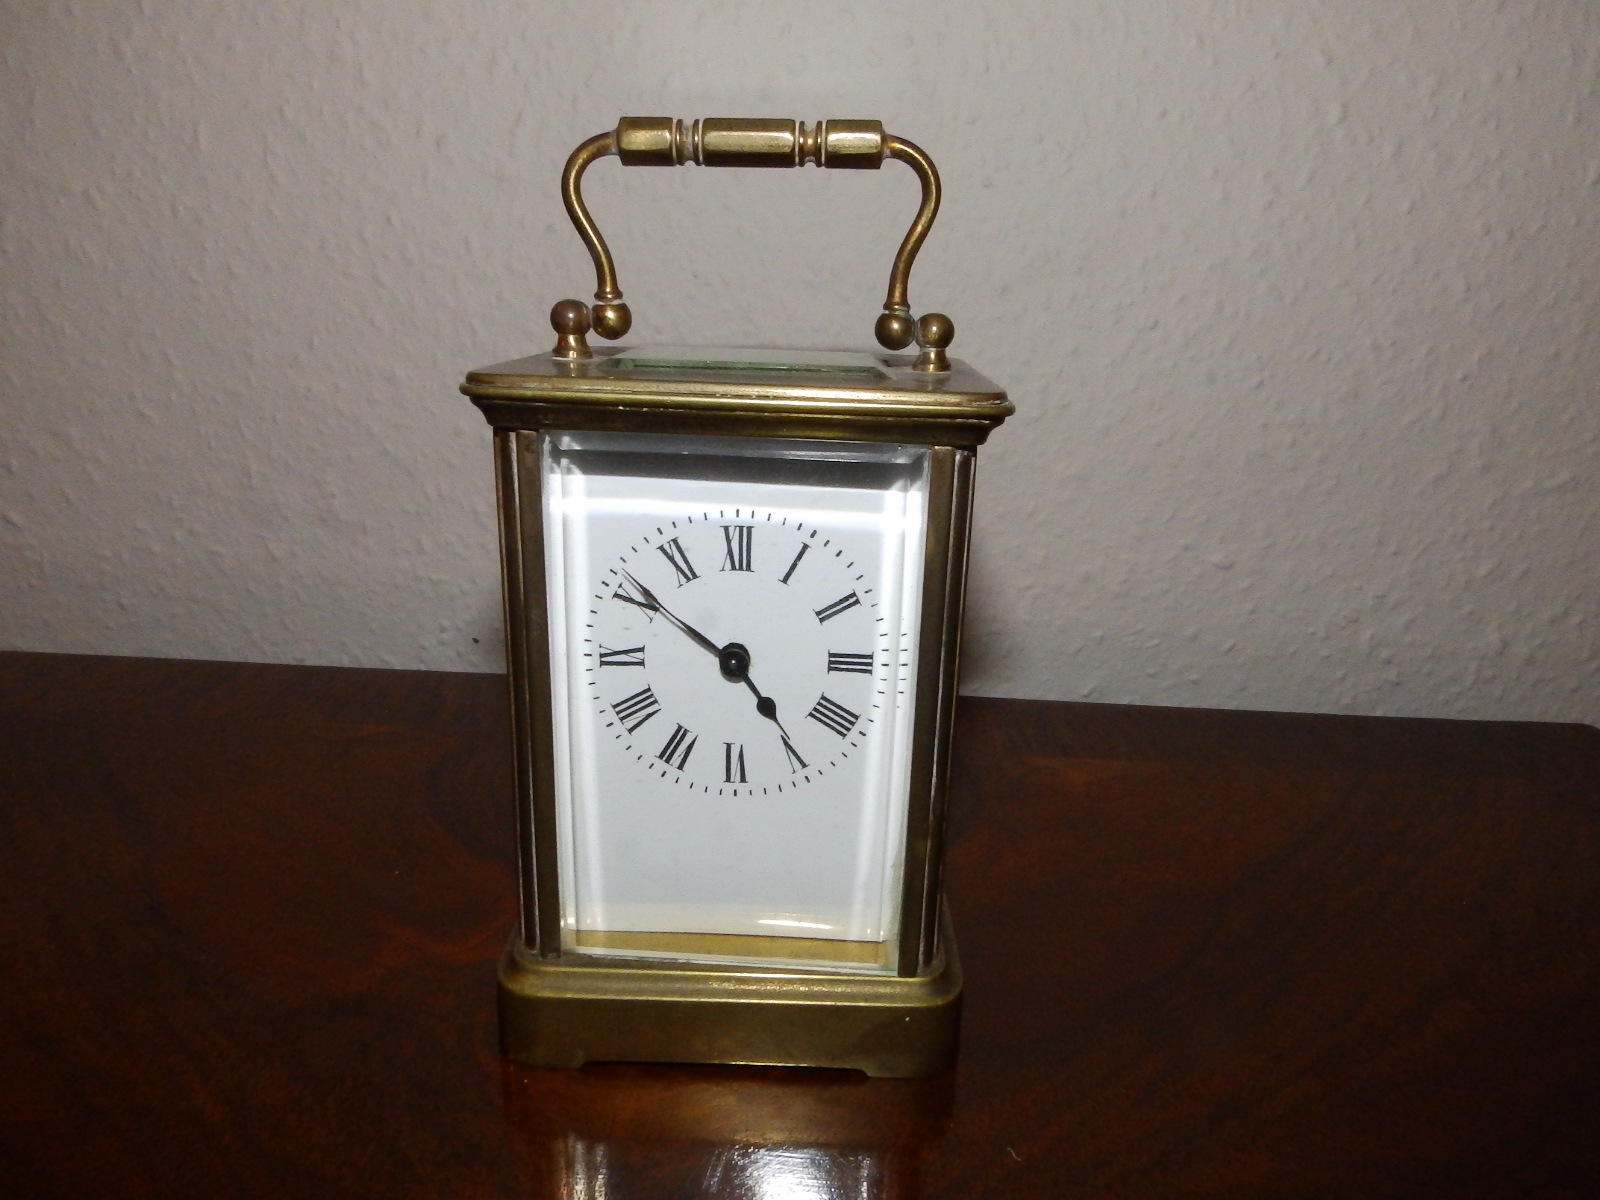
(741, 652)
(733, 625)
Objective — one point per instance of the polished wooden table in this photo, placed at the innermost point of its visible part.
(249, 918)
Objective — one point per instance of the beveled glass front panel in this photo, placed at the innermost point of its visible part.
(733, 628)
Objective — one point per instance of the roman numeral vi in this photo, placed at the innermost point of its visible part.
(733, 763)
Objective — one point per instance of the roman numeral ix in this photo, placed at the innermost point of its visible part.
(830, 714)
(633, 656)
(672, 550)
(843, 604)
(737, 539)
(633, 711)
(676, 752)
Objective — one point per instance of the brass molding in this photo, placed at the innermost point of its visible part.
(577, 1009)
(954, 407)
(752, 142)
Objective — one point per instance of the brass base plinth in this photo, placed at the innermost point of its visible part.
(562, 1015)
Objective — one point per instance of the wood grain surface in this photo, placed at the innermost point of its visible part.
(250, 914)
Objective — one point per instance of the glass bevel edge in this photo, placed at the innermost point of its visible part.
(736, 949)
(944, 565)
(523, 577)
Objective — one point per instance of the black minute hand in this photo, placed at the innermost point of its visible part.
(651, 598)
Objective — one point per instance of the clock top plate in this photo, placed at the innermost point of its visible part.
(875, 396)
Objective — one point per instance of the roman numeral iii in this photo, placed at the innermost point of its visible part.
(672, 550)
(848, 664)
(830, 714)
(843, 604)
(633, 711)
(733, 763)
(633, 656)
(737, 539)
(676, 752)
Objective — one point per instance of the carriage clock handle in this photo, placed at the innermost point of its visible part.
(743, 142)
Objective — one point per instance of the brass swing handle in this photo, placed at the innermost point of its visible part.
(747, 142)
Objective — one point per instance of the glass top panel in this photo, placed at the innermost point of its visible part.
(843, 365)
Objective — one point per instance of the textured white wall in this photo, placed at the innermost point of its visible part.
(1300, 305)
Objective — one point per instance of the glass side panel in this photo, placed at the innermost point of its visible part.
(733, 627)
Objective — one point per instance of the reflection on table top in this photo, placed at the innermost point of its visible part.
(251, 916)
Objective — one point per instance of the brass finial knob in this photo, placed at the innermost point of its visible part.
(935, 332)
(895, 330)
(611, 320)
(570, 320)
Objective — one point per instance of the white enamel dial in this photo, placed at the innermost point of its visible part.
(740, 652)
(733, 625)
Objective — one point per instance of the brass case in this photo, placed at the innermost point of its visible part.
(560, 1008)
(558, 1015)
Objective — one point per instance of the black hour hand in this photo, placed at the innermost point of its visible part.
(734, 660)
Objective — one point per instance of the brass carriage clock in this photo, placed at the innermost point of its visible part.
(733, 592)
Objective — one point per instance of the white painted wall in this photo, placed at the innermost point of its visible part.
(1300, 305)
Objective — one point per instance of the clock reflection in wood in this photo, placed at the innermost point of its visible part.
(733, 595)
(646, 1130)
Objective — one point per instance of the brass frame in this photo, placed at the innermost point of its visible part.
(564, 1008)
(956, 408)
